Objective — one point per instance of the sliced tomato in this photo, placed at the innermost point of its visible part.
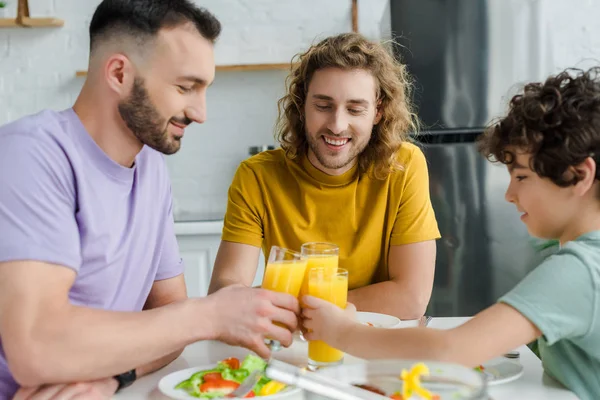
(233, 363)
(221, 386)
(213, 376)
(251, 394)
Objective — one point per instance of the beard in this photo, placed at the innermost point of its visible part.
(146, 123)
(327, 158)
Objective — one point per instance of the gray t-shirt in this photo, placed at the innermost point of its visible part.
(562, 298)
(64, 201)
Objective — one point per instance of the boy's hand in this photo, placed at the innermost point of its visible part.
(325, 321)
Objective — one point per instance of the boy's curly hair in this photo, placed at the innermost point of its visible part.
(351, 51)
(557, 122)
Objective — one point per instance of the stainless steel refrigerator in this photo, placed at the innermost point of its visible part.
(467, 57)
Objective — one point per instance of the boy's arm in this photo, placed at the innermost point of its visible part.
(489, 334)
(557, 299)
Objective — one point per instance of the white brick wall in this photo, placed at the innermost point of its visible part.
(37, 70)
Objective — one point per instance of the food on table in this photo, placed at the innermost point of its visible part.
(227, 376)
(271, 387)
(411, 387)
(371, 388)
(412, 382)
(479, 368)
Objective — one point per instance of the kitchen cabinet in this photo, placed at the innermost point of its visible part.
(198, 246)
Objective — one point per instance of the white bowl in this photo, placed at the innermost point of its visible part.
(449, 381)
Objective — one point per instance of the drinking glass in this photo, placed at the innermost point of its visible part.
(284, 273)
(318, 255)
(332, 286)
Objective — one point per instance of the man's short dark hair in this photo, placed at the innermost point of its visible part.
(142, 19)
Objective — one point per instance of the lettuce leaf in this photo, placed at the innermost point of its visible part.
(259, 385)
(192, 385)
(252, 362)
(236, 375)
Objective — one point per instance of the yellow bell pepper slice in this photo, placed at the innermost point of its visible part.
(412, 382)
(272, 387)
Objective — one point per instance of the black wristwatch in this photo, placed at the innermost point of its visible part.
(125, 379)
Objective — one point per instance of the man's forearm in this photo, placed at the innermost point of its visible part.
(157, 364)
(220, 283)
(90, 344)
(390, 298)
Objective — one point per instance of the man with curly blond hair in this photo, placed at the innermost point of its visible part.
(345, 174)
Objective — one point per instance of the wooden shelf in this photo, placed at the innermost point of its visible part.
(27, 22)
(234, 67)
(253, 67)
(265, 67)
(24, 19)
(354, 15)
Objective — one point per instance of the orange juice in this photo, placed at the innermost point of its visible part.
(284, 273)
(333, 287)
(330, 262)
(284, 276)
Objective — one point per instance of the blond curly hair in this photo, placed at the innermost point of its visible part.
(351, 51)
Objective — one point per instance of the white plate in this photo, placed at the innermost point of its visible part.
(502, 370)
(378, 320)
(167, 385)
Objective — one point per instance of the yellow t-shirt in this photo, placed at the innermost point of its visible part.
(275, 201)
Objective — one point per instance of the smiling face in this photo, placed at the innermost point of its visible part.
(340, 112)
(171, 92)
(549, 211)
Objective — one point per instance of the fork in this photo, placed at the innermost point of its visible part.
(247, 385)
(425, 320)
(512, 354)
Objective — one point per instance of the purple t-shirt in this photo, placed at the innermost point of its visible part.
(64, 201)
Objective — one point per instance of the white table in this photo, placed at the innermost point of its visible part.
(533, 385)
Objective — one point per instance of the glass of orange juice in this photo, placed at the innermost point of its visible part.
(319, 255)
(330, 285)
(284, 273)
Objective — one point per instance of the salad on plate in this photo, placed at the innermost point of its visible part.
(227, 376)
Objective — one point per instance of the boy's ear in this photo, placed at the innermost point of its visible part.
(586, 171)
